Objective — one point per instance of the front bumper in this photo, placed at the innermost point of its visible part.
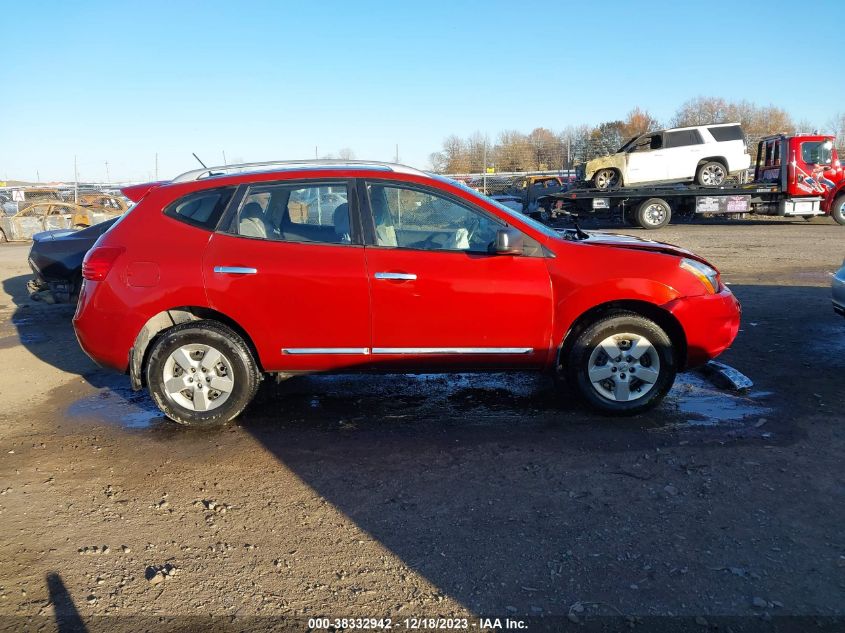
(710, 323)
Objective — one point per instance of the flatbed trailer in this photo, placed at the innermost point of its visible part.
(784, 185)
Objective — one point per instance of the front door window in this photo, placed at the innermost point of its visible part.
(418, 219)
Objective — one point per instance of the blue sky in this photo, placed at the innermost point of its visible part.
(122, 81)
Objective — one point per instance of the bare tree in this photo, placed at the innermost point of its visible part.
(346, 154)
(836, 126)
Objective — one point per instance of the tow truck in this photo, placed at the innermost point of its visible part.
(795, 175)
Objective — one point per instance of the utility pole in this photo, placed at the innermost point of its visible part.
(108, 177)
(156, 165)
(315, 152)
(75, 182)
(224, 158)
(37, 176)
(484, 168)
(397, 153)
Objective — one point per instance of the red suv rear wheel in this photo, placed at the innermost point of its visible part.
(201, 374)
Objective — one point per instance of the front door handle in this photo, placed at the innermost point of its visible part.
(396, 276)
(235, 270)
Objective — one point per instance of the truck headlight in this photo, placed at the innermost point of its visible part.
(706, 275)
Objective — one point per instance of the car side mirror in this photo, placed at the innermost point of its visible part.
(508, 242)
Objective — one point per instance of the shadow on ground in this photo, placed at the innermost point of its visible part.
(510, 497)
(47, 333)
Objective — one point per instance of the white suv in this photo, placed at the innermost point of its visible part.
(705, 154)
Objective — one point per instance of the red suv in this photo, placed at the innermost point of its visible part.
(226, 274)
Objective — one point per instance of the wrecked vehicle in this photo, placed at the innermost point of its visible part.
(17, 200)
(56, 261)
(50, 215)
(226, 274)
(705, 154)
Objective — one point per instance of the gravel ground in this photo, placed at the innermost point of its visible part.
(457, 495)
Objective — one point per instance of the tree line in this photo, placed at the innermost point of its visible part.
(543, 149)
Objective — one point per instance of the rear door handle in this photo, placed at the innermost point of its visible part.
(397, 276)
(235, 270)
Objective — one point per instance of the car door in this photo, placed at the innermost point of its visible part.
(682, 150)
(646, 161)
(439, 297)
(289, 268)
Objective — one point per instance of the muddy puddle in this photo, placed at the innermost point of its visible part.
(349, 401)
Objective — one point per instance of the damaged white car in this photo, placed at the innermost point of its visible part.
(704, 154)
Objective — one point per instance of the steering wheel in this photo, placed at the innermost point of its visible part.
(430, 243)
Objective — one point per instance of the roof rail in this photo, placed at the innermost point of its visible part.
(280, 165)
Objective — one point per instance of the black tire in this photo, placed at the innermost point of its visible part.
(837, 211)
(653, 213)
(605, 179)
(245, 374)
(577, 363)
(713, 173)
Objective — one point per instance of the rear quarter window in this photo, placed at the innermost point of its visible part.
(202, 209)
(727, 133)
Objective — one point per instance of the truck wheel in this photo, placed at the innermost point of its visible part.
(606, 179)
(654, 213)
(201, 373)
(622, 364)
(837, 211)
(711, 174)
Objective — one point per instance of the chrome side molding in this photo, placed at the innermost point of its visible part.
(297, 351)
(406, 351)
(400, 276)
(452, 350)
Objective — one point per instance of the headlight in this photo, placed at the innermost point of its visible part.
(705, 274)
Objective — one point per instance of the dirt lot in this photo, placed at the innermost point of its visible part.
(470, 496)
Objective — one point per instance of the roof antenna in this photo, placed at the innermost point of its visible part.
(198, 160)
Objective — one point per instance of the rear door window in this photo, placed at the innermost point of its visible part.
(297, 212)
(681, 138)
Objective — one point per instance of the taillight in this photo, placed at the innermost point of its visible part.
(98, 262)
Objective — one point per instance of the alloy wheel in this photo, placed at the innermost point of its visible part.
(713, 174)
(624, 367)
(198, 377)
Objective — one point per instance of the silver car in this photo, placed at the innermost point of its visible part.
(838, 286)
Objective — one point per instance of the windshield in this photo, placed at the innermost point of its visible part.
(817, 152)
(627, 144)
(545, 230)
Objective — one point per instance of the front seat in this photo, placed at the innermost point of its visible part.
(252, 222)
(342, 229)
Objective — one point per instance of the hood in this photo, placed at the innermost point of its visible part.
(617, 161)
(614, 240)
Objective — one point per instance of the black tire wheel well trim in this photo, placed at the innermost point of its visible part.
(714, 159)
(664, 319)
(159, 324)
(226, 337)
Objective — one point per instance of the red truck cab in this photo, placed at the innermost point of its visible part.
(808, 170)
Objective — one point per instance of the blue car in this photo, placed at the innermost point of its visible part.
(838, 286)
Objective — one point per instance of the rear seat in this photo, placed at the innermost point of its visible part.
(294, 232)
